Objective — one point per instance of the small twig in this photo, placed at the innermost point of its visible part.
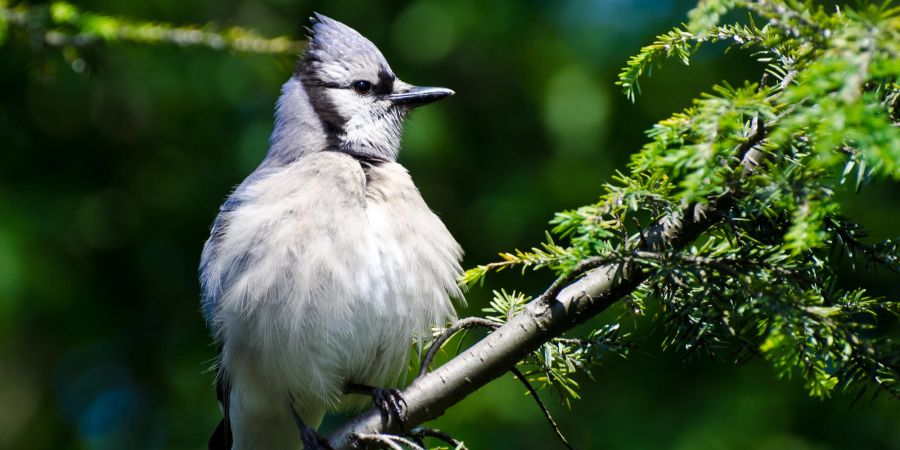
(873, 374)
(543, 408)
(640, 230)
(847, 236)
(571, 341)
(751, 156)
(762, 82)
(423, 432)
(391, 441)
(467, 323)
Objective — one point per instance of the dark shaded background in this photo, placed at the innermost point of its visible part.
(110, 179)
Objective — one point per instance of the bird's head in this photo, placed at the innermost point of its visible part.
(351, 87)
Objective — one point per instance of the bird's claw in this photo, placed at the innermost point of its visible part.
(390, 402)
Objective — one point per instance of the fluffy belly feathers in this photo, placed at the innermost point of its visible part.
(338, 288)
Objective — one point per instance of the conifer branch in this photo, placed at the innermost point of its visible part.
(62, 24)
(543, 319)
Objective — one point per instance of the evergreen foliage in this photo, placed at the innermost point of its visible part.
(763, 282)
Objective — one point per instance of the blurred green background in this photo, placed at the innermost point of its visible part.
(110, 178)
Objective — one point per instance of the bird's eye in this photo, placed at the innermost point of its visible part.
(362, 87)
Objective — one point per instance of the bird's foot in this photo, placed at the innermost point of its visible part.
(388, 400)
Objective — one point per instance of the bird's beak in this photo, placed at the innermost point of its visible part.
(415, 96)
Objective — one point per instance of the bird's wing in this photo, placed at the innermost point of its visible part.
(251, 224)
(210, 292)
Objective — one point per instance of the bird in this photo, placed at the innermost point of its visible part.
(325, 266)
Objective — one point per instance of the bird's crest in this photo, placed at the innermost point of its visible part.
(333, 46)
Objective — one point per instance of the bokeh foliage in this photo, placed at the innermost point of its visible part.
(62, 24)
(117, 155)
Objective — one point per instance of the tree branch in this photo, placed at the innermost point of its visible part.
(543, 319)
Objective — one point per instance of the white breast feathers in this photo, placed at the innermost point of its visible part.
(324, 274)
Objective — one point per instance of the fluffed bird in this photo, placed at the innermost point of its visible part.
(325, 264)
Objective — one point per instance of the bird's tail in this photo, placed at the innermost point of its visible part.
(221, 438)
